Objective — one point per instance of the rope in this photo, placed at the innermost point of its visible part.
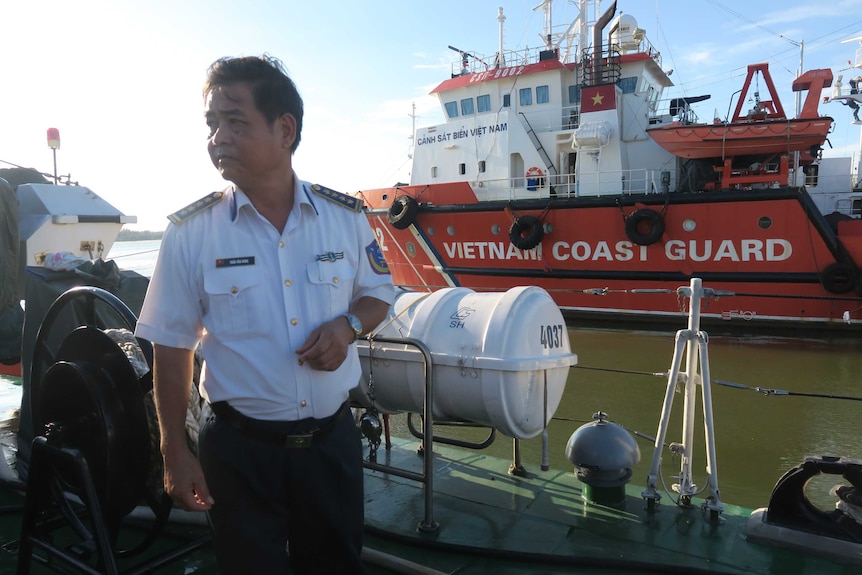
(731, 384)
(136, 254)
(768, 391)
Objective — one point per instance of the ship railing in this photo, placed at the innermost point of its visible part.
(677, 109)
(569, 185)
(612, 183)
(475, 62)
(553, 119)
(567, 53)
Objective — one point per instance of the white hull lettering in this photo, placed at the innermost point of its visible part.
(490, 251)
(461, 133)
(623, 251)
(770, 250)
(774, 250)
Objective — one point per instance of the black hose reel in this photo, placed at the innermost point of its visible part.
(92, 456)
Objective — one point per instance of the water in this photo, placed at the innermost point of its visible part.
(136, 256)
(758, 436)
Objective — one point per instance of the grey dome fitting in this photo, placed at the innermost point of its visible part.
(603, 454)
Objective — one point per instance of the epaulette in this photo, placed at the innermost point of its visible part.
(350, 202)
(195, 208)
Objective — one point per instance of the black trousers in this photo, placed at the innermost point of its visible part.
(269, 498)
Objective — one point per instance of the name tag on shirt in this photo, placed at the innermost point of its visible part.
(231, 262)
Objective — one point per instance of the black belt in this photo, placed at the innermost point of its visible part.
(251, 427)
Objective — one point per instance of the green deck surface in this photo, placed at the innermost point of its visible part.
(492, 522)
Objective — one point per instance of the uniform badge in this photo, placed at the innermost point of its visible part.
(330, 257)
(376, 259)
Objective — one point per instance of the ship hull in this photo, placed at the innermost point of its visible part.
(771, 250)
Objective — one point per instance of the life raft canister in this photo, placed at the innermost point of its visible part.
(526, 232)
(535, 178)
(402, 212)
(645, 227)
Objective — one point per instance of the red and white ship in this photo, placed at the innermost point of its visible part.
(565, 169)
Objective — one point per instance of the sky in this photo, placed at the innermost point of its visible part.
(121, 79)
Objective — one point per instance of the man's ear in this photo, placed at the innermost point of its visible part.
(287, 124)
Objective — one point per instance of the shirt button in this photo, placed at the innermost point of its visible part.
(294, 321)
(281, 244)
(287, 283)
(335, 279)
(303, 403)
(233, 289)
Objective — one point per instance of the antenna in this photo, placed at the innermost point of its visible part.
(464, 56)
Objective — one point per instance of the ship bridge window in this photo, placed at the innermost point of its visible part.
(575, 94)
(856, 207)
(507, 100)
(451, 109)
(543, 95)
(467, 108)
(483, 103)
(481, 166)
(525, 97)
(628, 85)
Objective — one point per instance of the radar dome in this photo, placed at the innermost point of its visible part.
(626, 33)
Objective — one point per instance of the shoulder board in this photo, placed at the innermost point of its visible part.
(195, 208)
(344, 200)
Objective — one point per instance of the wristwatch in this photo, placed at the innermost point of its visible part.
(355, 325)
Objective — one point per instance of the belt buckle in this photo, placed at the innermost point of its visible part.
(298, 441)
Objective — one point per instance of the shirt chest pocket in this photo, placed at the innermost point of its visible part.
(331, 284)
(233, 296)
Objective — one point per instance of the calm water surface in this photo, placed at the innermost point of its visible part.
(758, 437)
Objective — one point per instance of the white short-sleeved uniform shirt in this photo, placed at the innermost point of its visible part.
(227, 278)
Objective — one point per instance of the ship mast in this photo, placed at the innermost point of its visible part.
(501, 54)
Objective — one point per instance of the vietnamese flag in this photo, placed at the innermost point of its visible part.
(598, 98)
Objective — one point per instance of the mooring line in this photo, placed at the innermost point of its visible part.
(762, 390)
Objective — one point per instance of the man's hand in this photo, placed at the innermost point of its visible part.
(185, 483)
(326, 346)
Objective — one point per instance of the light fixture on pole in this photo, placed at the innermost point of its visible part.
(54, 144)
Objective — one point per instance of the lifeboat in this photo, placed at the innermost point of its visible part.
(765, 130)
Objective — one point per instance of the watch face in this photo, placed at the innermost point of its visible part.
(354, 322)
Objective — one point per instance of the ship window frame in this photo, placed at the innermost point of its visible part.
(812, 174)
(483, 103)
(575, 94)
(628, 85)
(451, 109)
(433, 171)
(481, 166)
(468, 107)
(462, 168)
(543, 94)
(507, 100)
(525, 97)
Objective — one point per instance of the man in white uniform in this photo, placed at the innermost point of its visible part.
(276, 278)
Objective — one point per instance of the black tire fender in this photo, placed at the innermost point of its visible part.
(402, 212)
(526, 232)
(645, 227)
(839, 277)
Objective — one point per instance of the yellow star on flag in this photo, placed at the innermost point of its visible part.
(597, 99)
